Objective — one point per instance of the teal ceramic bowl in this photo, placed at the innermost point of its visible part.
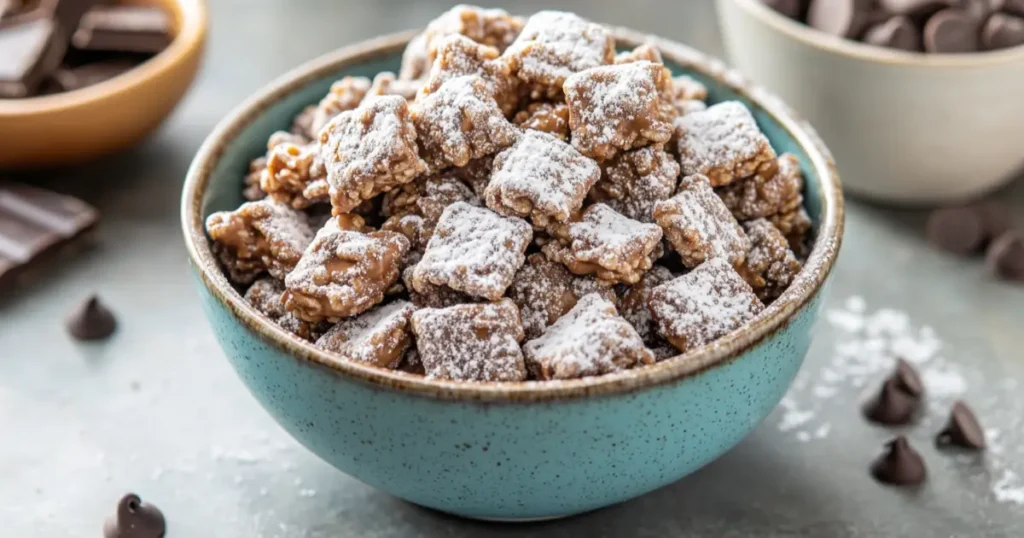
(509, 451)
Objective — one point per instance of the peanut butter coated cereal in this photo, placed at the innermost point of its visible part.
(459, 56)
(774, 189)
(471, 342)
(345, 94)
(545, 290)
(632, 182)
(379, 336)
(265, 295)
(722, 143)
(551, 118)
(699, 226)
(259, 236)
(770, 266)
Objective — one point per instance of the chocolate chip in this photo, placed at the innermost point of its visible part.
(962, 429)
(843, 18)
(915, 8)
(895, 33)
(899, 465)
(995, 218)
(91, 321)
(951, 31)
(907, 378)
(1002, 31)
(135, 519)
(1005, 256)
(1013, 7)
(959, 230)
(794, 9)
(892, 405)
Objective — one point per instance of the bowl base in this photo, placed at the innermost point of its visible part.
(517, 519)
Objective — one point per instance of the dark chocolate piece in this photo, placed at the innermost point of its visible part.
(1005, 256)
(35, 223)
(951, 31)
(895, 33)
(962, 429)
(124, 28)
(29, 51)
(959, 230)
(892, 405)
(899, 465)
(843, 18)
(1002, 31)
(907, 378)
(1013, 7)
(92, 320)
(70, 79)
(794, 9)
(135, 519)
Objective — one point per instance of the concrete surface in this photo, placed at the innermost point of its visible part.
(157, 410)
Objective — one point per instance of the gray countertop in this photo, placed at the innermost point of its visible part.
(158, 411)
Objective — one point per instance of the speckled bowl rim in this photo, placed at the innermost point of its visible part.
(776, 317)
(870, 53)
(191, 35)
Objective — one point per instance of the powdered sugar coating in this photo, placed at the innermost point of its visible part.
(491, 27)
(689, 89)
(471, 342)
(262, 235)
(459, 56)
(343, 273)
(699, 226)
(689, 106)
(632, 182)
(461, 121)
(476, 174)
(345, 94)
(473, 250)
(425, 199)
(774, 189)
(770, 264)
(415, 62)
(540, 177)
(385, 83)
(618, 107)
(545, 290)
(635, 300)
(703, 305)
(646, 52)
(369, 150)
(722, 143)
(295, 175)
(265, 296)
(432, 295)
(553, 45)
(591, 339)
(607, 244)
(379, 336)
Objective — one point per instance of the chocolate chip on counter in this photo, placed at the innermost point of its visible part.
(899, 465)
(892, 405)
(1005, 256)
(907, 378)
(794, 9)
(959, 230)
(895, 33)
(951, 31)
(843, 18)
(1002, 31)
(962, 429)
(92, 320)
(135, 519)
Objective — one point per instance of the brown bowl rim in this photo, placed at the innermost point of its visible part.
(190, 37)
(777, 316)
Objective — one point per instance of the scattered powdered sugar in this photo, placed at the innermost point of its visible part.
(1009, 488)
(555, 44)
(378, 336)
(591, 339)
(722, 142)
(699, 226)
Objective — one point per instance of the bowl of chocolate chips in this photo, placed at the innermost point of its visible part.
(84, 78)
(919, 100)
(514, 267)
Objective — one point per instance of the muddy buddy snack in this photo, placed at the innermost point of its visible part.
(518, 203)
(343, 273)
(368, 151)
(702, 305)
(591, 339)
(380, 336)
(471, 342)
(722, 143)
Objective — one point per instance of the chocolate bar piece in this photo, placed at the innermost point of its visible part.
(68, 79)
(123, 29)
(29, 51)
(35, 223)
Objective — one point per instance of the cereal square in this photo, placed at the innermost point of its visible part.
(611, 246)
(473, 250)
(345, 94)
(343, 273)
(619, 107)
(251, 190)
(385, 83)
(722, 143)
(415, 63)
(632, 182)
(795, 224)
(369, 150)
(295, 175)
(432, 295)
(459, 56)
(471, 342)
(461, 121)
(551, 118)
(491, 27)
(644, 53)
(477, 174)
(703, 305)
(591, 339)
(699, 226)
(635, 300)
(689, 89)
(265, 296)
(426, 199)
(545, 290)
(379, 336)
(540, 177)
(553, 45)
(259, 236)
(774, 189)
(770, 266)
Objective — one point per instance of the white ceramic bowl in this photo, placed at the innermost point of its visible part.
(904, 127)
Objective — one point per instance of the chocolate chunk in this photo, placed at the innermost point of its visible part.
(962, 429)
(794, 9)
(29, 51)
(995, 218)
(907, 378)
(895, 33)
(899, 465)
(959, 230)
(915, 8)
(892, 406)
(91, 321)
(843, 18)
(1002, 31)
(135, 519)
(34, 224)
(1013, 7)
(951, 31)
(1005, 256)
(124, 28)
(75, 78)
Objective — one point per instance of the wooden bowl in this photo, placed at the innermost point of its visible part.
(81, 125)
